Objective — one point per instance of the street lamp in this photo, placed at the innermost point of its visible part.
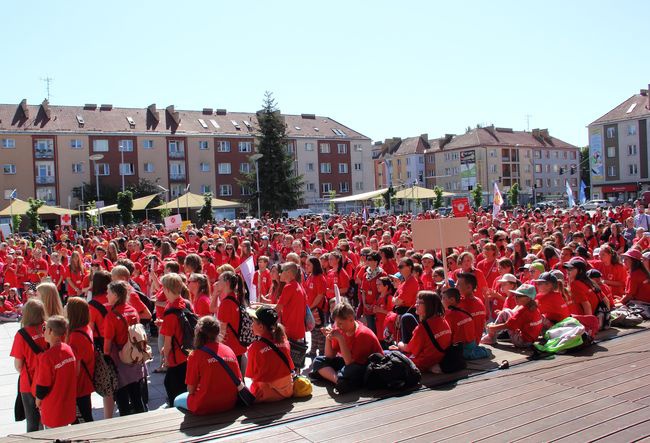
(255, 158)
(95, 158)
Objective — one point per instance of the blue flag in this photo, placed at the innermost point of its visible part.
(583, 195)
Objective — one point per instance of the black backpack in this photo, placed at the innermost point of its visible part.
(453, 359)
(392, 370)
(187, 319)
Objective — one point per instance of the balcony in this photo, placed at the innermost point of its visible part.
(50, 202)
(43, 153)
(177, 177)
(176, 154)
(44, 179)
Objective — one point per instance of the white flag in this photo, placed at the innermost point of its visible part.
(569, 193)
(173, 222)
(337, 294)
(497, 201)
(247, 269)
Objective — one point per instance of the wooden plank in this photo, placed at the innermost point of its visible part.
(597, 372)
(638, 432)
(607, 426)
(635, 391)
(614, 375)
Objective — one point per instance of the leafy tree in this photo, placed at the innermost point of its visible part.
(205, 214)
(32, 214)
(585, 168)
(125, 205)
(388, 197)
(282, 186)
(107, 194)
(165, 212)
(437, 203)
(477, 195)
(513, 194)
(94, 219)
(16, 220)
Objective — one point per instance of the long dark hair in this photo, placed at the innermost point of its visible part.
(317, 269)
(339, 257)
(638, 264)
(584, 278)
(236, 284)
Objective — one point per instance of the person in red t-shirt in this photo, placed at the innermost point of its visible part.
(368, 289)
(55, 379)
(25, 359)
(466, 284)
(523, 324)
(37, 267)
(230, 285)
(419, 346)
(262, 277)
(292, 304)
(460, 322)
(407, 289)
(315, 287)
(637, 286)
(584, 292)
(550, 302)
(57, 271)
(80, 339)
(172, 330)
(269, 358)
(209, 387)
(199, 288)
(347, 348)
(489, 265)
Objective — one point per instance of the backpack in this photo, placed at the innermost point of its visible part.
(602, 313)
(136, 350)
(626, 317)
(392, 370)
(187, 320)
(453, 359)
(245, 334)
(105, 377)
(562, 336)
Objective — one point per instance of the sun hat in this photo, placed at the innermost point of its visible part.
(558, 275)
(525, 290)
(634, 254)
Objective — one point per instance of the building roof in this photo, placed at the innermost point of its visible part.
(107, 119)
(634, 107)
(397, 146)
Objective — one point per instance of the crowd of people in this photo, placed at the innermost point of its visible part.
(355, 285)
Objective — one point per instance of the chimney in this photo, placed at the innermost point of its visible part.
(174, 115)
(105, 107)
(45, 107)
(221, 112)
(536, 133)
(445, 141)
(207, 111)
(543, 133)
(153, 112)
(23, 108)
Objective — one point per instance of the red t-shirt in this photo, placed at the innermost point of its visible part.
(423, 352)
(461, 325)
(171, 327)
(115, 328)
(390, 267)
(407, 291)
(552, 306)
(481, 282)
(361, 344)
(476, 308)
(428, 283)
(637, 286)
(313, 286)
(96, 317)
(369, 291)
(57, 370)
(264, 364)
(229, 314)
(202, 305)
(37, 268)
(57, 272)
(340, 279)
(580, 293)
(615, 273)
(136, 303)
(294, 306)
(490, 271)
(10, 276)
(215, 391)
(81, 342)
(262, 282)
(528, 322)
(77, 279)
(21, 351)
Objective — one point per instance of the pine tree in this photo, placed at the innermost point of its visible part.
(125, 205)
(513, 194)
(437, 203)
(32, 214)
(205, 214)
(477, 195)
(280, 187)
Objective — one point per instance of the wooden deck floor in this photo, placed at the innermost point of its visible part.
(603, 392)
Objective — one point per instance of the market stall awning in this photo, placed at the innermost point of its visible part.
(418, 192)
(139, 204)
(192, 201)
(20, 207)
(360, 197)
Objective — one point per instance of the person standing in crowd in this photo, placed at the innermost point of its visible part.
(230, 285)
(199, 288)
(80, 339)
(50, 296)
(292, 305)
(368, 289)
(315, 287)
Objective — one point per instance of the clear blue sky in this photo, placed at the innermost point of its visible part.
(384, 68)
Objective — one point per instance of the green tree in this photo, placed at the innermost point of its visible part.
(477, 195)
(585, 169)
(282, 186)
(16, 220)
(205, 214)
(94, 219)
(32, 214)
(125, 205)
(165, 212)
(513, 194)
(388, 197)
(332, 205)
(437, 203)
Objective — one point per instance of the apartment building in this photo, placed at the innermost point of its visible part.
(619, 164)
(400, 162)
(45, 151)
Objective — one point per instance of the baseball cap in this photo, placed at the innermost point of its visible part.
(427, 256)
(558, 275)
(596, 252)
(525, 291)
(538, 266)
(266, 315)
(594, 273)
(576, 262)
(547, 277)
(508, 278)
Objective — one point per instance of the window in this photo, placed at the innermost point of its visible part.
(225, 190)
(309, 146)
(538, 169)
(9, 169)
(326, 187)
(77, 168)
(310, 187)
(537, 154)
(203, 145)
(126, 168)
(631, 129)
(556, 154)
(245, 146)
(493, 153)
(408, 174)
(343, 168)
(47, 194)
(634, 169)
(408, 160)
(527, 168)
(309, 167)
(548, 182)
(148, 167)
(290, 149)
(100, 145)
(176, 190)
(399, 162)
(325, 168)
(224, 168)
(611, 151)
(344, 187)
(611, 132)
(611, 171)
(324, 148)
(205, 189)
(205, 167)
(223, 146)
(548, 169)
(8, 143)
(493, 169)
(631, 150)
(539, 183)
(342, 148)
(358, 186)
(548, 154)
(147, 144)
(574, 182)
(358, 166)
(245, 190)
(126, 145)
(358, 147)
(76, 144)
(244, 168)
(556, 168)
(177, 171)
(528, 182)
(573, 155)
(102, 169)
(176, 148)
(556, 182)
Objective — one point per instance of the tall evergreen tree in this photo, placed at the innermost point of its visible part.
(280, 186)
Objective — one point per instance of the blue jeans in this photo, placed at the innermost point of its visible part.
(350, 376)
(180, 401)
(371, 322)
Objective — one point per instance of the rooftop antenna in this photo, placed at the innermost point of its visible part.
(47, 81)
(528, 116)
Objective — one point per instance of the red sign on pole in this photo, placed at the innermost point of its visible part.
(461, 207)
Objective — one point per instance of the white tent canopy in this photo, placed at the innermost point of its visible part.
(360, 197)
(189, 200)
(139, 204)
(418, 192)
